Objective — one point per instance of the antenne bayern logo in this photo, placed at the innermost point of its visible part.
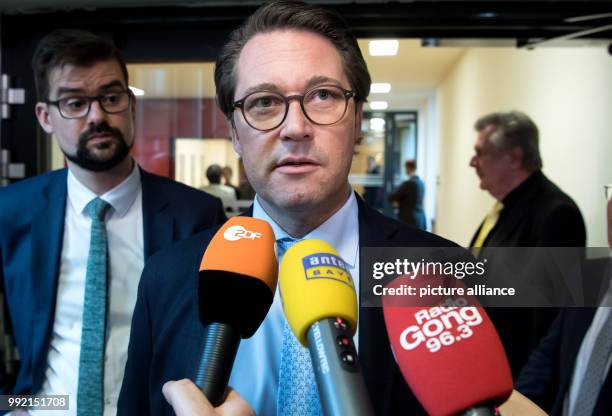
(326, 266)
(236, 232)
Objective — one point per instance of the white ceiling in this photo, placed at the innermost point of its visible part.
(413, 74)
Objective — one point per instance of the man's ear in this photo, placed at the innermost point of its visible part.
(516, 157)
(42, 114)
(133, 107)
(358, 120)
(235, 139)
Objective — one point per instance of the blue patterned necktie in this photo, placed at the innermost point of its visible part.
(90, 395)
(595, 371)
(297, 388)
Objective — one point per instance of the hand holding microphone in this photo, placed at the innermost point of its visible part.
(238, 275)
(186, 399)
(319, 301)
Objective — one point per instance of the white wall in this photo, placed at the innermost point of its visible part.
(566, 91)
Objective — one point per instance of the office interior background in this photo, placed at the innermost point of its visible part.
(455, 62)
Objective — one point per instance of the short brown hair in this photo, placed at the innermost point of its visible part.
(280, 15)
(70, 46)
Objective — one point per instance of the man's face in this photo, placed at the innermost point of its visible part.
(492, 164)
(298, 165)
(98, 141)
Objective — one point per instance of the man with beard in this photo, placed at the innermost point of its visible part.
(73, 242)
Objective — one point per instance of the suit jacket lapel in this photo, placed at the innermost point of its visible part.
(158, 225)
(47, 235)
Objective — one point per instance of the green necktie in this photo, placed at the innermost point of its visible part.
(90, 395)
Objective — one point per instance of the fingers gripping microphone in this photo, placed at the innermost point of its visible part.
(321, 308)
(450, 356)
(237, 282)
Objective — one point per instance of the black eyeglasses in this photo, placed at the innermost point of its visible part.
(608, 191)
(322, 105)
(79, 106)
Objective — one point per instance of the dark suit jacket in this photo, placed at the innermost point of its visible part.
(31, 231)
(410, 195)
(535, 214)
(547, 377)
(166, 337)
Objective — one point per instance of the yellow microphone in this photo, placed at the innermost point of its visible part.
(318, 295)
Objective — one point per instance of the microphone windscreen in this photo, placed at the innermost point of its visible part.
(238, 275)
(451, 357)
(316, 284)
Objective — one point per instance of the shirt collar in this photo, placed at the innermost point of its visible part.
(341, 230)
(121, 197)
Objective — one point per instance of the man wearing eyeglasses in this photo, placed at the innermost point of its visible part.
(292, 83)
(73, 242)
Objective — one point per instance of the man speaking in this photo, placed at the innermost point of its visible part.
(292, 83)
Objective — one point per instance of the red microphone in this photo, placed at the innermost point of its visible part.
(450, 354)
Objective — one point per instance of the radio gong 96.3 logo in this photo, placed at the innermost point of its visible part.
(439, 327)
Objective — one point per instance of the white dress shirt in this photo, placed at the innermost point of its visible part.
(124, 225)
(257, 364)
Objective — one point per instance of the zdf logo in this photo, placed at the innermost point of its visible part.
(237, 232)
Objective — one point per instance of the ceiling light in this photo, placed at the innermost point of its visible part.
(137, 91)
(377, 124)
(380, 87)
(379, 105)
(387, 47)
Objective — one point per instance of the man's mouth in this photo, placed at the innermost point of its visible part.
(100, 138)
(296, 165)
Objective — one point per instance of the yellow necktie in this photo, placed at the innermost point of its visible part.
(487, 226)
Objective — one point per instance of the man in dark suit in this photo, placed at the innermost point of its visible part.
(50, 224)
(292, 82)
(534, 212)
(409, 198)
(569, 372)
(530, 211)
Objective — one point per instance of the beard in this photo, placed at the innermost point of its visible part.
(87, 158)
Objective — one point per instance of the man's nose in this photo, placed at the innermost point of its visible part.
(473, 161)
(96, 113)
(296, 126)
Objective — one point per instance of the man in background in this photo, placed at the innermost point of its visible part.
(372, 194)
(529, 211)
(227, 180)
(408, 197)
(214, 187)
(74, 241)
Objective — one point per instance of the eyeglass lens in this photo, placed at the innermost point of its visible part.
(79, 106)
(266, 110)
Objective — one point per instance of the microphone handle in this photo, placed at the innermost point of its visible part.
(479, 411)
(221, 343)
(341, 387)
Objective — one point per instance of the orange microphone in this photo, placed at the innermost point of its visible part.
(238, 275)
